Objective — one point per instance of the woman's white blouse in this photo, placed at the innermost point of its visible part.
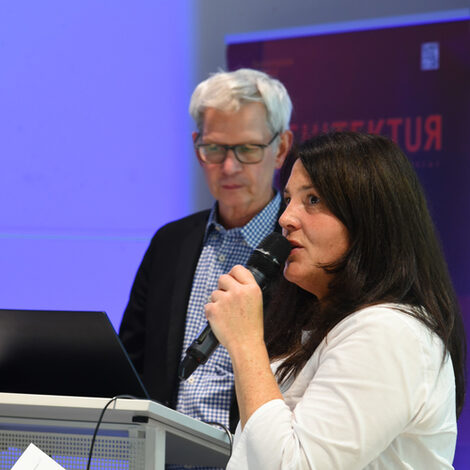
(376, 394)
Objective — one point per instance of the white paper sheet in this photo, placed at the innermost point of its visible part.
(34, 458)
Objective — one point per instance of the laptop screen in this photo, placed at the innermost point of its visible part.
(64, 353)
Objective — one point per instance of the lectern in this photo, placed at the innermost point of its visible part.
(134, 434)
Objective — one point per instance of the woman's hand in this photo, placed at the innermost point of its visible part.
(236, 318)
(235, 312)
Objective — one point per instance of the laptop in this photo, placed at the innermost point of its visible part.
(49, 352)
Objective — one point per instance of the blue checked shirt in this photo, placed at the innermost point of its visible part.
(206, 395)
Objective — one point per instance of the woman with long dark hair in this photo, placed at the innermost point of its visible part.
(360, 362)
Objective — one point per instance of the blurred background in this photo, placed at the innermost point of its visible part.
(95, 136)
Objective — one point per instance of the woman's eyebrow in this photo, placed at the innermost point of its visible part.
(305, 187)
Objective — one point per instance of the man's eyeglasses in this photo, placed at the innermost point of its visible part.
(244, 153)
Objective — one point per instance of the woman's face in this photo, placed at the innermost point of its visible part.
(316, 235)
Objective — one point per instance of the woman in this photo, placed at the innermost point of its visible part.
(361, 364)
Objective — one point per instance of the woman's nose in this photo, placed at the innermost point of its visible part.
(288, 221)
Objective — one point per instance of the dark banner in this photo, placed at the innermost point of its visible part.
(411, 83)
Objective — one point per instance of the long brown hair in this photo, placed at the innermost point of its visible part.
(370, 186)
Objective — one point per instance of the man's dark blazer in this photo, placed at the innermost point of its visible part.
(152, 328)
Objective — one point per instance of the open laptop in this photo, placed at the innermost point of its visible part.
(64, 353)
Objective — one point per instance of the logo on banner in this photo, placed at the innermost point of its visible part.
(430, 56)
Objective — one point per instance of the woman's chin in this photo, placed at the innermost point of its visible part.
(291, 274)
(294, 275)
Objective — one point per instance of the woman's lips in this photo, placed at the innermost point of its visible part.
(295, 245)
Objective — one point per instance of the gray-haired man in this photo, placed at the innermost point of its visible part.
(242, 137)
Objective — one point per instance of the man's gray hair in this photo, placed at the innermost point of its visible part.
(228, 91)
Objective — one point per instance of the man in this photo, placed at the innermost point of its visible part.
(242, 119)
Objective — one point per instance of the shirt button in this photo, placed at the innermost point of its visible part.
(191, 380)
(222, 258)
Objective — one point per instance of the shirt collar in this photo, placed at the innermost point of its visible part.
(261, 225)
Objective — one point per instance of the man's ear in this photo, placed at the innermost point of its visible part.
(287, 138)
(195, 135)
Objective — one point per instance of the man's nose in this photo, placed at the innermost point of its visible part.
(231, 164)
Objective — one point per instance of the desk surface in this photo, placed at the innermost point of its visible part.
(121, 411)
(185, 436)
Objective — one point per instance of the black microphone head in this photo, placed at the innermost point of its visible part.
(275, 246)
(268, 257)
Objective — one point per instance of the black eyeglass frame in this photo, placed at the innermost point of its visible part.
(234, 150)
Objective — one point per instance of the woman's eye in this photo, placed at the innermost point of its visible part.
(286, 200)
(312, 200)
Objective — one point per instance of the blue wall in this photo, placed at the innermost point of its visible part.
(94, 145)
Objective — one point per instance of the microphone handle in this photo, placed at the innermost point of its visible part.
(206, 342)
(198, 353)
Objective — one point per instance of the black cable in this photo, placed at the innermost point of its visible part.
(90, 453)
(227, 431)
(98, 423)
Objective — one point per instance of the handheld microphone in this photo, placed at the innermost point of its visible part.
(264, 263)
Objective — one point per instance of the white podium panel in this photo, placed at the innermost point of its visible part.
(133, 435)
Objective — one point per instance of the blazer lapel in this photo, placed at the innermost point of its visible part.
(185, 266)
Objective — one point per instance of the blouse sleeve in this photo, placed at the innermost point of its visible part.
(362, 387)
